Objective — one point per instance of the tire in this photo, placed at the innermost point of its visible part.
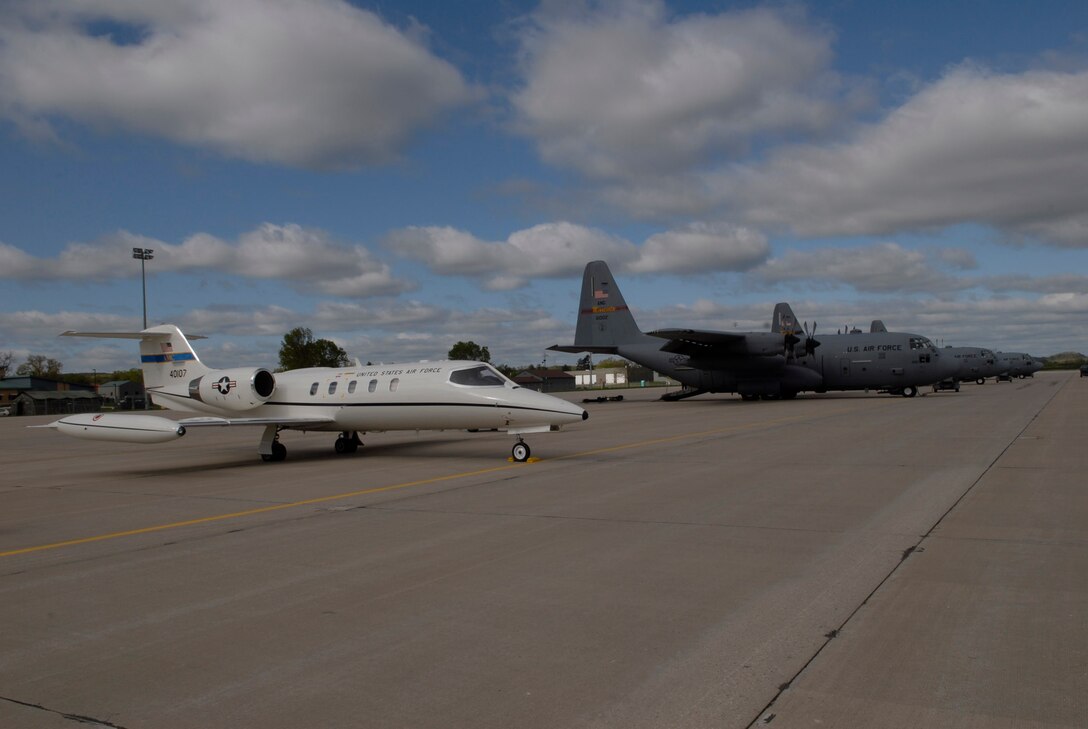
(520, 452)
(910, 391)
(279, 453)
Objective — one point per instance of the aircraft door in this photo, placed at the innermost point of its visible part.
(844, 366)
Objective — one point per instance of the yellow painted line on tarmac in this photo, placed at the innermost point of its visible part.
(247, 512)
(394, 487)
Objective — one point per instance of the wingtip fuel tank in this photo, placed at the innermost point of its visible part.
(119, 428)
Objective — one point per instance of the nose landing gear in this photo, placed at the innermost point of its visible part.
(520, 451)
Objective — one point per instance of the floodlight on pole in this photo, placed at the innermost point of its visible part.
(143, 254)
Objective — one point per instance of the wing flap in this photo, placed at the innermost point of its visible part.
(695, 342)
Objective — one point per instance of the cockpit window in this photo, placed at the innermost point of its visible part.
(920, 343)
(481, 376)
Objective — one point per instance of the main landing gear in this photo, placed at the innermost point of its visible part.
(271, 449)
(348, 442)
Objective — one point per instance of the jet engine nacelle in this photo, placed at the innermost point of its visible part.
(119, 428)
(240, 389)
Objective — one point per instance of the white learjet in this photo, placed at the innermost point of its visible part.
(439, 395)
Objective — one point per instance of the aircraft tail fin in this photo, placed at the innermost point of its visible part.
(604, 321)
(166, 357)
(877, 326)
(783, 320)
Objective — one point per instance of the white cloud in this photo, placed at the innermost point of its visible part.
(562, 249)
(308, 83)
(619, 88)
(1006, 150)
(547, 250)
(702, 247)
(306, 258)
(881, 267)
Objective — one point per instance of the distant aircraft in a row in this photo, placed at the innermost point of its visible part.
(777, 364)
(978, 363)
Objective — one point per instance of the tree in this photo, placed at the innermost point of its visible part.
(469, 350)
(612, 362)
(38, 365)
(6, 359)
(300, 349)
(509, 371)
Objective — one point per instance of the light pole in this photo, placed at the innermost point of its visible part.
(143, 254)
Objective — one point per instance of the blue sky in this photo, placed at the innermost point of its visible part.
(401, 176)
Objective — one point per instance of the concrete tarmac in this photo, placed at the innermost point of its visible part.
(840, 560)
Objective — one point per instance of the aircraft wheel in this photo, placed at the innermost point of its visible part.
(345, 445)
(980, 381)
(520, 452)
(279, 453)
(910, 391)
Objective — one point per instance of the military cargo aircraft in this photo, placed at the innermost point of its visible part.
(776, 364)
(441, 395)
(1017, 364)
(975, 363)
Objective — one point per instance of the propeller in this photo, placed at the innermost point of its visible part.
(789, 336)
(811, 343)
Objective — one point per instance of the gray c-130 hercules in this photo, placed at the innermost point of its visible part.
(775, 364)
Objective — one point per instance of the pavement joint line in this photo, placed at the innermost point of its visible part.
(765, 716)
(732, 429)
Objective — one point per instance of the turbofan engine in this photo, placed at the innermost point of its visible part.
(241, 389)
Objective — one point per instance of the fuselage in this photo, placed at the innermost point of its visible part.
(974, 363)
(415, 396)
(861, 361)
(1018, 364)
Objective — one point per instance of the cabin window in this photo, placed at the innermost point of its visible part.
(394, 384)
(372, 386)
(313, 389)
(480, 376)
(332, 387)
(351, 387)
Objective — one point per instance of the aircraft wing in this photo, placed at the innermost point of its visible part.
(696, 341)
(575, 349)
(286, 422)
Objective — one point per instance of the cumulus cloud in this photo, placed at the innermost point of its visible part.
(701, 247)
(308, 83)
(1007, 150)
(306, 258)
(618, 88)
(881, 267)
(554, 250)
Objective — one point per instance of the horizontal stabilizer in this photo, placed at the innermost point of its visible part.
(150, 335)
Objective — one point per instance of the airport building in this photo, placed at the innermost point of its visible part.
(30, 395)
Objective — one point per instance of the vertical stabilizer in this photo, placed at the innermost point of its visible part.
(783, 321)
(166, 357)
(164, 354)
(603, 317)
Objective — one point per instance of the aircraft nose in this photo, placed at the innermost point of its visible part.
(556, 410)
